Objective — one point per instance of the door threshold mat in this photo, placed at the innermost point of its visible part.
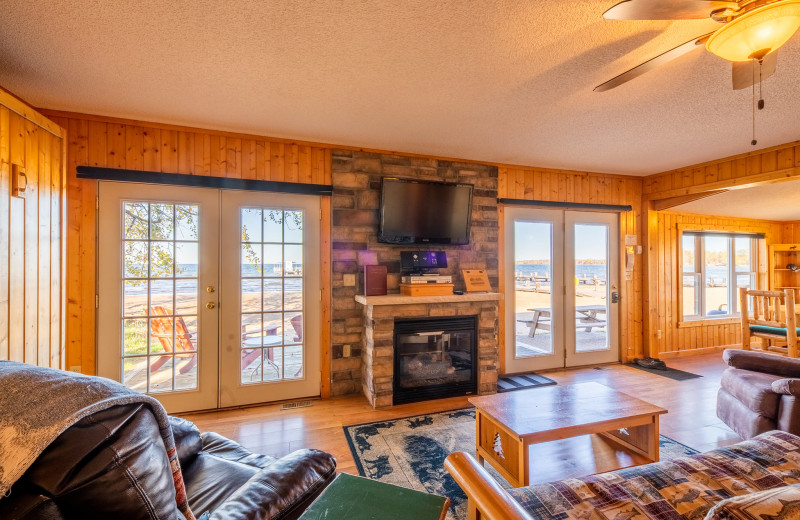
(522, 382)
(672, 373)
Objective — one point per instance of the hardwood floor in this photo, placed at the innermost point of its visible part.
(267, 429)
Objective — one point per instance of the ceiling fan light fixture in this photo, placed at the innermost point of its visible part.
(757, 32)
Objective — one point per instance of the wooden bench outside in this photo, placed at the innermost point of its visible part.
(586, 317)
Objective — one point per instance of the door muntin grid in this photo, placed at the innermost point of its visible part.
(272, 305)
(160, 294)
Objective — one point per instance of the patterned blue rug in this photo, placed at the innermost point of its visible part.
(410, 452)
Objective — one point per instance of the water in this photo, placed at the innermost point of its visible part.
(186, 281)
(716, 275)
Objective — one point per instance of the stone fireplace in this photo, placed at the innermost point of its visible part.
(381, 313)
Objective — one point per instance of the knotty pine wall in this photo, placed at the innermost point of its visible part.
(695, 337)
(592, 188)
(778, 161)
(31, 237)
(773, 164)
(116, 143)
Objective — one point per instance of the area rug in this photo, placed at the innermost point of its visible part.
(672, 373)
(410, 452)
(522, 381)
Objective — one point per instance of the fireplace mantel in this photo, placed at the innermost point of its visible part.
(402, 299)
(380, 313)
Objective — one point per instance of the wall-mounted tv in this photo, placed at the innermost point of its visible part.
(424, 212)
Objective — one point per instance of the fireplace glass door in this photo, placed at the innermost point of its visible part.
(434, 358)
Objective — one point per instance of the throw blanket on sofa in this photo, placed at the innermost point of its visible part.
(685, 488)
(38, 404)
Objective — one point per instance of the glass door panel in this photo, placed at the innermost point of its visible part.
(591, 287)
(533, 288)
(271, 294)
(160, 294)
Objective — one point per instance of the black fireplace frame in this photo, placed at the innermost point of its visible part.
(431, 324)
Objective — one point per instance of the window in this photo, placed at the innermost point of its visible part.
(714, 266)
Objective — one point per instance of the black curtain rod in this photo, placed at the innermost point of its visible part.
(201, 181)
(565, 205)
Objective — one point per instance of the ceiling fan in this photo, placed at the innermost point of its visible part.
(751, 33)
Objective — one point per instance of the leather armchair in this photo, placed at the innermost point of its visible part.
(112, 464)
(759, 392)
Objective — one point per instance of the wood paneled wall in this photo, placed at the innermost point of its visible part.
(681, 338)
(116, 143)
(31, 237)
(592, 188)
(772, 163)
(776, 164)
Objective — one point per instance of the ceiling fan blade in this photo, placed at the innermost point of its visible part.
(746, 73)
(652, 63)
(666, 9)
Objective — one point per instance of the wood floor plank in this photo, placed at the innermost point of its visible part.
(691, 418)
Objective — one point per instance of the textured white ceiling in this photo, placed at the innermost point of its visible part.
(768, 202)
(506, 81)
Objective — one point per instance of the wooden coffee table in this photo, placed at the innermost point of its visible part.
(508, 423)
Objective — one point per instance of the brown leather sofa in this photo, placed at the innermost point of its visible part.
(112, 465)
(759, 392)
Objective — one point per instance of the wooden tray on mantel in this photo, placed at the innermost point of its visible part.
(426, 289)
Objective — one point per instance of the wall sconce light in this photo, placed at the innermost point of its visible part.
(19, 182)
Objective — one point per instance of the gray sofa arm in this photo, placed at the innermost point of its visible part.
(787, 386)
(761, 362)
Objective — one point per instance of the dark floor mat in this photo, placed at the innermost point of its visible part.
(677, 375)
(522, 381)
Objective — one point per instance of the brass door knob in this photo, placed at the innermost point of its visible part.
(210, 305)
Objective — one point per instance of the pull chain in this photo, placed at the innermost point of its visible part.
(760, 103)
(754, 141)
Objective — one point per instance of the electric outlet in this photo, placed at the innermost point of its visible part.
(349, 280)
(346, 351)
(658, 333)
(75, 368)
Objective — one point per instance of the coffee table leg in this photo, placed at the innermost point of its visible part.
(478, 422)
(642, 439)
(524, 468)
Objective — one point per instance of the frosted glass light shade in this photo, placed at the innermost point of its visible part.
(756, 33)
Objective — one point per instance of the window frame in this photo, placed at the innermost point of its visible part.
(700, 273)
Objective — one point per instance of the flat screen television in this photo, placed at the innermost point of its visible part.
(424, 212)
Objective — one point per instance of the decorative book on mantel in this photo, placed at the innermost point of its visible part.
(476, 280)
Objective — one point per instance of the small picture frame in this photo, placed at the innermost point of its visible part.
(476, 280)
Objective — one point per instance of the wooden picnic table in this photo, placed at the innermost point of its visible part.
(587, 317)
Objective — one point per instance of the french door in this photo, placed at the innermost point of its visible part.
(562, 271)
(271, 294)
(204, 297)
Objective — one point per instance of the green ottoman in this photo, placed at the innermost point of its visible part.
(358, 498)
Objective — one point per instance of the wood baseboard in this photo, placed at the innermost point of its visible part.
(696, 351)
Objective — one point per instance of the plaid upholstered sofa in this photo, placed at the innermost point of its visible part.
(758, 479)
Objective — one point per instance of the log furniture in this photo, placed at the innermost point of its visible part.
(508, 424)
(724, 479)
(773, 319)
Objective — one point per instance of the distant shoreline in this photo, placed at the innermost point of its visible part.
(589, 261)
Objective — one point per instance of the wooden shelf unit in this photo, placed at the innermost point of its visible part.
(781, 277)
